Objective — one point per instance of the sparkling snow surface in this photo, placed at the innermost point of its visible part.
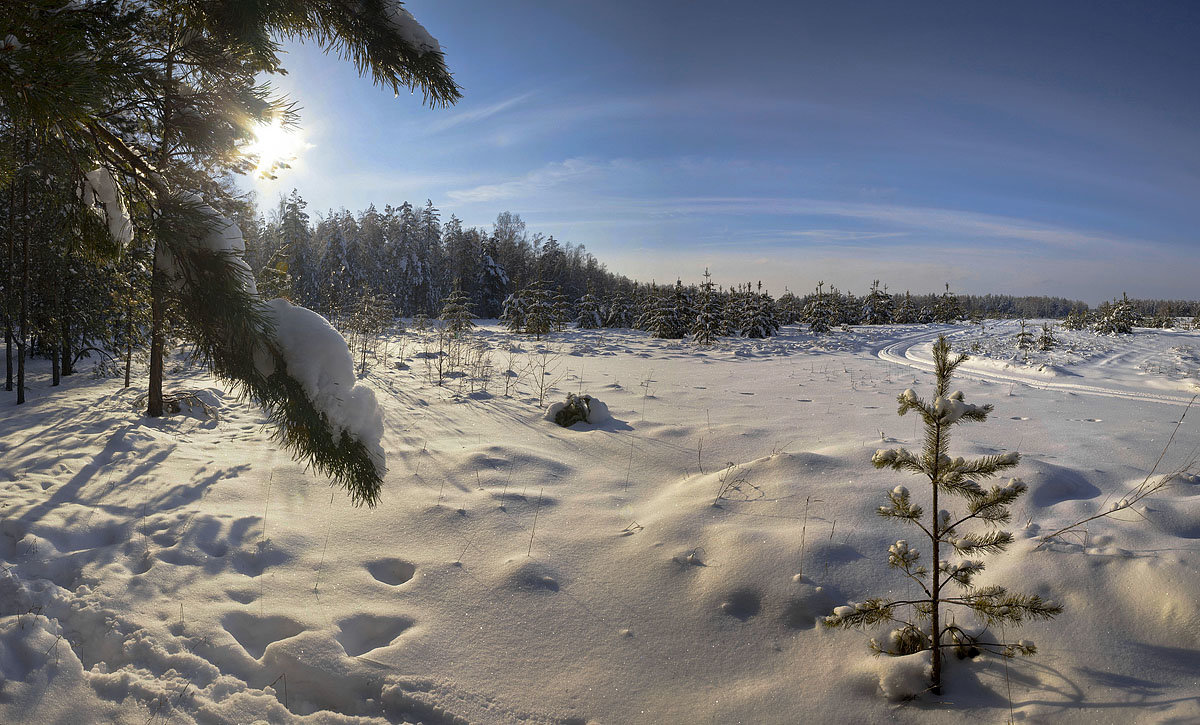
(184, 570)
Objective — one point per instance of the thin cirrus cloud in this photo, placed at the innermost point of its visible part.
(551, 176)
(480, 113)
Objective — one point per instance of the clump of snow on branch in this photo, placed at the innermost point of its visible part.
(317, 356)
(314, 353)
(99, 187)
(220, 235)
(951, 409)
(409, 30)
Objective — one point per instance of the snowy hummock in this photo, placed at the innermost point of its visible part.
(633, 598)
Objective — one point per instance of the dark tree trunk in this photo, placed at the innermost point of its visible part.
(68, 361)
(21, 341)
(64, 314)
(9, 279)
(129, 330)
(154, 405)
(54, 341)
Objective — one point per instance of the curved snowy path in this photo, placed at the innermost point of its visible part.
(907, 351)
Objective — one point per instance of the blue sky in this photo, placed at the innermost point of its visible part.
(1031, 148)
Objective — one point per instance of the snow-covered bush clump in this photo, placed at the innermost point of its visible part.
(578, 409)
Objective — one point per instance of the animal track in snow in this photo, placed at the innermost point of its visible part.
(256, 633)
(742, 603)
(392, 571)
(362, 633)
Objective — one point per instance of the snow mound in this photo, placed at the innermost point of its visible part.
(597, 411)
(317, 356)
(907, 677)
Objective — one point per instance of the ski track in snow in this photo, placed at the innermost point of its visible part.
(907, 352)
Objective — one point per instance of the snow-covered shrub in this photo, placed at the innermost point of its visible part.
(578, 409)
(1116, 318)
(708, 324)
(588, 316)
(1047, 340)
(820, 313)
(456, 312)
(921, 624)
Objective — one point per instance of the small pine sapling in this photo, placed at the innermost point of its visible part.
(707, 325)
(456, 312)
(1024, 337)
(926, 626)
(588, 317)
(1077, 319)
(1047, 340)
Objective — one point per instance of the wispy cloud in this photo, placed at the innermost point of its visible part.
(546, 177)
(478, 114)
(942, 223)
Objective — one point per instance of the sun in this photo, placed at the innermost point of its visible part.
(276, 148)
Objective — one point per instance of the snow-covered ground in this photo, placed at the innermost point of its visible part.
(185, 570)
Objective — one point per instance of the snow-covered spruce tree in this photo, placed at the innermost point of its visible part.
(588, 317)
(1024, 337)
(561, 311)
(1196, 321)
(1117, 318)
(787, 308)
(850, 310)
(456, 312)
(512, 313)
(530, 310)
(906, 312)
(539, 311)
(1077, 319)
(922, 620)
(948, 308)
(708, 325)
(1047, 340)
(820, 313)
(759, 318)
(877, 307)
(619, 310)
(668, 318)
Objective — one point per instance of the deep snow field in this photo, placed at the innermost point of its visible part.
(185, 570)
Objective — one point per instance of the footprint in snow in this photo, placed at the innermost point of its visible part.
(393, 572)
(363, 633)
(256, 633)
